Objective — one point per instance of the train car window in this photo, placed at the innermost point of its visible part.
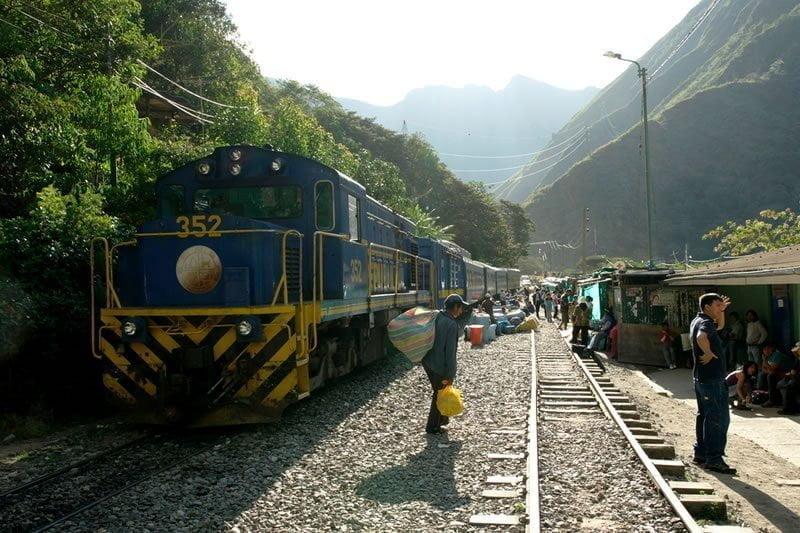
(277, 201)
(172, 201)
(323, 201)
(353, 218)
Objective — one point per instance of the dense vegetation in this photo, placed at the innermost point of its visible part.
(770, 231)
(83, 137)
(724, 128)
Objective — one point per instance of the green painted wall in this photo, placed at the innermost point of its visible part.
(744, 297)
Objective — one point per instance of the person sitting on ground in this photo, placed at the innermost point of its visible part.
(740, 385)
(774, 366)
(790, 385)
(606, 323)
(665, 339)
(580, 324)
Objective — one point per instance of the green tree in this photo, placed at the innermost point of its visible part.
(520, 226)
(770, 231)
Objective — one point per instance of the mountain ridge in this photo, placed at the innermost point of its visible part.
(476, 120)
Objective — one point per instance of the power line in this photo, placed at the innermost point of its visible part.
(523, 176)
(694, 27)
(43, 23)
(420, 127)
(188, 111)
(32, 34)
(529, 164)
(178, 85)
(529, 154)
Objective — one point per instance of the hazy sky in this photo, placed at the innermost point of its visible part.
(379, 50)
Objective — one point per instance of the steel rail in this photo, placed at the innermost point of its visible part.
(688, 520)
(533, 522)
(124, 488)
(55, 473)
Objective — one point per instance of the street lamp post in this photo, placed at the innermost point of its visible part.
(642, 71)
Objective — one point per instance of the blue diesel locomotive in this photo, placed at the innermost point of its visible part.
(264, 276)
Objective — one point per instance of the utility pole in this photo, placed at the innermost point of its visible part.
(642, 71)
(584, 231)
(650, 264)
(686, 255)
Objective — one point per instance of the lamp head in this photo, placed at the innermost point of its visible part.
(613, 55)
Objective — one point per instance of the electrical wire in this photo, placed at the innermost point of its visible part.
(421, 127)
(32, 34)
(680, 45)
(43, 23)
(529, 154)
(178, 85)
(188, 111)
(523, 176)
(195, 111)
(529, 164)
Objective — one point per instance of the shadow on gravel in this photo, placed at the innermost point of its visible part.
(427, 476)
(256, 459)
(783, 518)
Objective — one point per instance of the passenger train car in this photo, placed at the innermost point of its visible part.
(264, 275)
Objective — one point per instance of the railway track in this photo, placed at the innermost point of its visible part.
(53, 499)
(586, 465)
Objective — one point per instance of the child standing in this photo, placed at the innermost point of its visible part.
(665, 338)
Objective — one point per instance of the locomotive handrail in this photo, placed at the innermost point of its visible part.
(318, 263)
(91, 287)
(204, 233)
(284, 282)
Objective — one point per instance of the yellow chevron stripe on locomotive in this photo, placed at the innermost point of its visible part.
(200, 367)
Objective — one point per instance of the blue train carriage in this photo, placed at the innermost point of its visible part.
(448, 267)
(491, 279)
(264, 275)
(476, 280)
(514, 276)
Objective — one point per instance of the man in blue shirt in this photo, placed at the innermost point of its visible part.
(440, 362)
(713, 417)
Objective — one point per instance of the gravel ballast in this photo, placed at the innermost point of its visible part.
(590, 478)
(353, 456)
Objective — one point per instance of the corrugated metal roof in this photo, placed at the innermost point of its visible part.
(783, 259)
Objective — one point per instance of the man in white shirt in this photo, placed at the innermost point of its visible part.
(756, 335)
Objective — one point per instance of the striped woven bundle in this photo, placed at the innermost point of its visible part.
(413, 332)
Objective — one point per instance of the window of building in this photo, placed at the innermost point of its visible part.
(353, 218)
(277, 201)
(172, 201)
(323, 201)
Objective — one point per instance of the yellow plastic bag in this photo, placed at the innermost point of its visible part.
(449, 402)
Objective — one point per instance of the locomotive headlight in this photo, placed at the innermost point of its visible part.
(236, 154)
(244, 328)
(129, 328)
(236, 169)
(133, 329)
(248, 329)
(203, 168)
(276, 165)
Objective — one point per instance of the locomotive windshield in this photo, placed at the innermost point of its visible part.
(277, 201)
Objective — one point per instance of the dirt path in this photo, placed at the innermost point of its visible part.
(753, 495)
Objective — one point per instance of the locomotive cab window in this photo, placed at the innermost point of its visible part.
(353, 218)
(277, 201)
(172, 201)
(323, 205)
